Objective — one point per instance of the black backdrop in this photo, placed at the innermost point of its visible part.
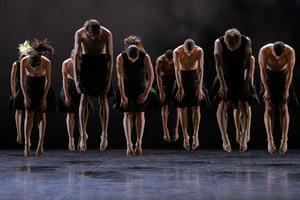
(162, 25)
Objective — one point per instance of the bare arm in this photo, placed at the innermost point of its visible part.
(22, 78)
(48, 79)
(65, 78)
(150, 73)
(158, 72)
(120, 75)
(109, 48)
(219, 64)
(177, 69)
(248, 55)
(290, 69)
(252, 69)
(13, 75)
(200, 67)
(77, 53)
(262, 69)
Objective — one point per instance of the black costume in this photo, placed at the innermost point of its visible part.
(17, 102)
(168, 84)
(234, 67)
(190, 84)
(276, 82)
(134, 85)
(93, 74)
(75, 99)
(35, 87)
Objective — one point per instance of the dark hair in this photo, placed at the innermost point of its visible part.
(278, 48)
(41, 47)
(169, 54)
(134, 40)
(189, 44)
(93, 26)
(133, 51)
(232, 36)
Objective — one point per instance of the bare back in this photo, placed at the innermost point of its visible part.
(165, 68)
(69, 68)
(96, 45)
(188, 62)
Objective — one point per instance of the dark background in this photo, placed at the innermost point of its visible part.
(162, 25)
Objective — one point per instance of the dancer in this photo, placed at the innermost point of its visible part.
(93, 59)
(134, 89)
(188, 62)
(39, 98)
(276, 62)
(233, 59)
(165, 77)
(16, 101)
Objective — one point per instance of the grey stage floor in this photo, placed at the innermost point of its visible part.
(158, 174)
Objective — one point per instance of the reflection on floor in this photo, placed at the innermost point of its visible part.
(158, 174)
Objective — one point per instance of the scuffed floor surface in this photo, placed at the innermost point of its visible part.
(158, 174)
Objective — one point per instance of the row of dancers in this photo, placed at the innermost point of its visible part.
(179, 76)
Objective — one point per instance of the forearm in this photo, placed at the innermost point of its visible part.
(200, 77)
(263, 77)
(220, 75)
(121, 87)
(13, 87)
(46, 89)
(159, 83)
(76, 67)
(289, 78)
(65, 86)
(149, 84)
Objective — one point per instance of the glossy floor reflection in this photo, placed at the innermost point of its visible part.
(159, 174)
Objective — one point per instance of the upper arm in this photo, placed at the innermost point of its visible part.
(119, 66)
(175, 59)
(292, 59)
(201, 57)
(64, 69)
(248, 47)
(217, 52)
(77, 44)
(158, 67)
(261, 59)
(148, 64)
(13, 69)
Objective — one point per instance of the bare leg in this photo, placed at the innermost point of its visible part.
(82, 119)
(139, 125)
(176, 135)
(245, 122)
(285, 120)
(70, 120)
(196, 124)
(268, 119)
(104, 116)
(28, 123)
(237, 123)
(184, 125)
(42, 129)
(164, 116)
(249, 128)
(127, 124)
(18, 119)
(222, 121)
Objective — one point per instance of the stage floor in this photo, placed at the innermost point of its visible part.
(158, 174)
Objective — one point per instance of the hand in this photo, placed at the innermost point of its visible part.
(77, 84)
(107, 88)
(266, 96)
(286, 96)
(200, 94)
(68, 100)
(43, 104)
(27, 102)
(124, 102)
(162, 96)
(222, 93)
(180, 94)
(142, 98)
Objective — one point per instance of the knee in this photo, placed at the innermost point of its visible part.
(139, 115)
(283, 108)
(269, 109)
(127, 115)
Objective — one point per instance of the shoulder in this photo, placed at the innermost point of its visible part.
(160, 59)
(45, 60)
(199, 50)
(106, 31)
(290, 49)
(120, 57)
(67, 61)
(24, 60)
(147, 57)
(79, 32)
(178, 49)
(266, 48)
(246, 39)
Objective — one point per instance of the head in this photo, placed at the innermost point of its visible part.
(93, 27)
(278, 48)
(133, 52)
(232, 39)
(169, 56)
(39, 48)
(189, 46)
(24, 49)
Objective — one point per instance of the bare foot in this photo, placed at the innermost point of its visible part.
(195, 144)
(71, 144)
(138, 149)
(176, 135)
(238, 136)
(271, 147)
(39, 150)
(130, 151)
(82, 145)
(186, 143)
(103, 144)
(243, 142)
(283, 147)
(19, 139)
(248, 136)
(27, 150)
(227, 146)
(167, 136)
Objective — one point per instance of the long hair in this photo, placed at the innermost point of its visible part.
(41, 47)
(134, 40)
